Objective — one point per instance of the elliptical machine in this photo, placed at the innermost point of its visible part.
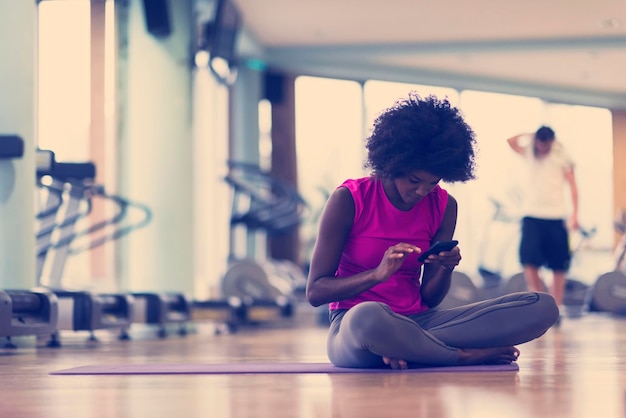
(262, 203)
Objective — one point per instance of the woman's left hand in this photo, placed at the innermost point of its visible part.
(446, 259)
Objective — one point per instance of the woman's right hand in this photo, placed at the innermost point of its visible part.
(393, 259)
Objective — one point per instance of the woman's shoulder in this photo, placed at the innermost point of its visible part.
(357, 183)
(359, 188)
(441, 195)
(341, 205)
(353, 194)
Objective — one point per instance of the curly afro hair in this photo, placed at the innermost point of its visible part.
(422, 134)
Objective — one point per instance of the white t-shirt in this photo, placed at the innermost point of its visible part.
(544, 183)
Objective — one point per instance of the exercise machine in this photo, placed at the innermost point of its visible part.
(226, 314)
(27, 312)
(24, 311)
(608, 292)
(161, 310)
(262, 203)
(70, 190)
(462, 291)
(500, 237)
(116, 310)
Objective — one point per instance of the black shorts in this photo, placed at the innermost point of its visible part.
(545, 243)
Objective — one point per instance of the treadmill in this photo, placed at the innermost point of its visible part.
(24, 311)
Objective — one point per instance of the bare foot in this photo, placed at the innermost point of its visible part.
(493, 355)
(395, 363)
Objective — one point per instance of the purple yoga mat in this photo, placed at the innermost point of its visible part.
(261, 368)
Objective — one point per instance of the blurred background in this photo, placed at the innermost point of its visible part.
(162, 94)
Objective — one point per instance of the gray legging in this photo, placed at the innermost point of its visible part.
(362, 335)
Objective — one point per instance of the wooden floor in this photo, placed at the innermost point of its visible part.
(577, 370)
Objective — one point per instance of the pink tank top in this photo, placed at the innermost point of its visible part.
(379, 225)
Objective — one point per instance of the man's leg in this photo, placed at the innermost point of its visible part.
(531, 254)
(533, 281)
(558, 286)
(558, 258)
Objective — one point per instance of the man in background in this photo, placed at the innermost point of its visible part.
(548, 172)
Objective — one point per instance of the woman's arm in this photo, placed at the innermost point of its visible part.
(335, 226)
(438, 269)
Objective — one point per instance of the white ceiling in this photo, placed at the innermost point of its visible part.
(571, 51)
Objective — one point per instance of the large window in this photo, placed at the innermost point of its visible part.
(64, 101)
(65, 124)
(380, 95)
(332, 124)
(491, 223)
(211, 194)
(329, 142)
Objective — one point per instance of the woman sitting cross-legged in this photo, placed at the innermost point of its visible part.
(383, 304)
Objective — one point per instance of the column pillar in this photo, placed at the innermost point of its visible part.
(619, 163)
(155, 147)
(285, 246)
(18, 81)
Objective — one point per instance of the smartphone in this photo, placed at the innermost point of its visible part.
(438, 247)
